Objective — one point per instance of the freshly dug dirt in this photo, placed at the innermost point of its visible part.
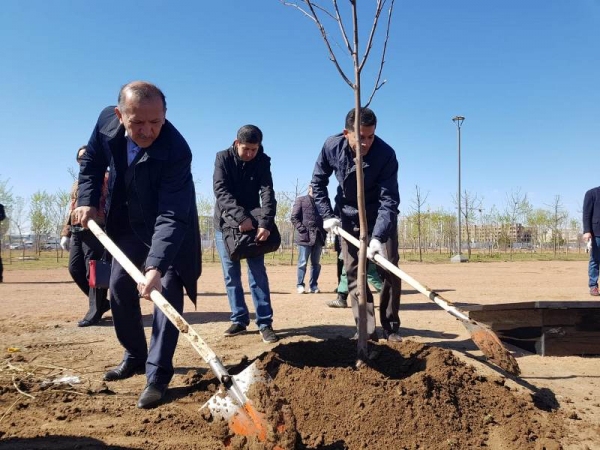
(431, 391)
(411, 396)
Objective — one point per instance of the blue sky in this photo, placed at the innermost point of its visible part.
(525, 74)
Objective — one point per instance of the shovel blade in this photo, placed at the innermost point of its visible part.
(490, 345)
(243, 418)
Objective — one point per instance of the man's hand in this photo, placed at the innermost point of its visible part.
(82, 214)
(152, 282)
(587, 238)
(65, 243)
(375, 248)
(332, 224)
(262, 235)
(246, 225)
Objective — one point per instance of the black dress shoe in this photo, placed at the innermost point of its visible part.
(88, 323)
(152, 395)
(125, 370)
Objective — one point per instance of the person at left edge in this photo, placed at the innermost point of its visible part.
(151, 216)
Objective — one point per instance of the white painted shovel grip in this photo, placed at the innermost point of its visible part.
(444, 304)
(159, 300)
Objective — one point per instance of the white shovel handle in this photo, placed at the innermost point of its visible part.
(159, 300)
(379, 259)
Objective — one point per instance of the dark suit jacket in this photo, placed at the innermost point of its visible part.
(591, 211)
(159, 191)
(308, 222)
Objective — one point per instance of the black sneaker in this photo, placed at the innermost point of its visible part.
(234, 330)
(268, 335)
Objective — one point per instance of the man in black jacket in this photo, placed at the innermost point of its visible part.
(591, 234)
(151, 216)
(242, 183)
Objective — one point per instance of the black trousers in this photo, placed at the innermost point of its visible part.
(127, 315)
(1, 269)
(85, 247)
(389, 297)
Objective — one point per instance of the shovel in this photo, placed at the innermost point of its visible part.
(232, 405)
(483, 337)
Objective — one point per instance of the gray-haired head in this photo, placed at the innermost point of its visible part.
(140, 91)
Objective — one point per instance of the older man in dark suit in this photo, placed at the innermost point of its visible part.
(591, 234)
(151, 215)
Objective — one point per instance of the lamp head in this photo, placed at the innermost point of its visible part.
(458, 120)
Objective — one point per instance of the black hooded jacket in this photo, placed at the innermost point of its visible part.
(241, 187)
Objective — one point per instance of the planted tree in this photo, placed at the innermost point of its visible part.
(417, 207)
(558, 217)
(471, 205)
(40, 213)
(18, 221)
(58, 216)
(345, 19)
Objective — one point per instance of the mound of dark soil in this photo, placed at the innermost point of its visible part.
(410, 396)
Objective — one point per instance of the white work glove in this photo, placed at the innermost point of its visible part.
(375, 247)
(65, 243)
(589, 245)
(332, 225)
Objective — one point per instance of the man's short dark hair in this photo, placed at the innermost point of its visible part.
(367, 118)
(249, 134)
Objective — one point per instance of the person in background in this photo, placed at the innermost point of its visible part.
(83, 247)
(591, 235)
(242, 182)
(342, 290)
(152, 218)
(381, 199)
(310, 238)
(2, 217)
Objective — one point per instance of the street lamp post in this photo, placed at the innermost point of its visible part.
(459, 257)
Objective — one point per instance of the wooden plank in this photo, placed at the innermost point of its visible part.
(546, 304)
(567, 341)
(546, 328)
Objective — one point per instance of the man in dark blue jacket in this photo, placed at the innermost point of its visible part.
(380, 168)
(242, 183)
(591, 234)
(151, 216)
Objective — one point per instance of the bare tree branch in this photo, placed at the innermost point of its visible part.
(377, 84)
(342, 28)
(371, 35)
(313, 16)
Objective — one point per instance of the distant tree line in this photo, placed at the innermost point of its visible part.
(515, 225)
